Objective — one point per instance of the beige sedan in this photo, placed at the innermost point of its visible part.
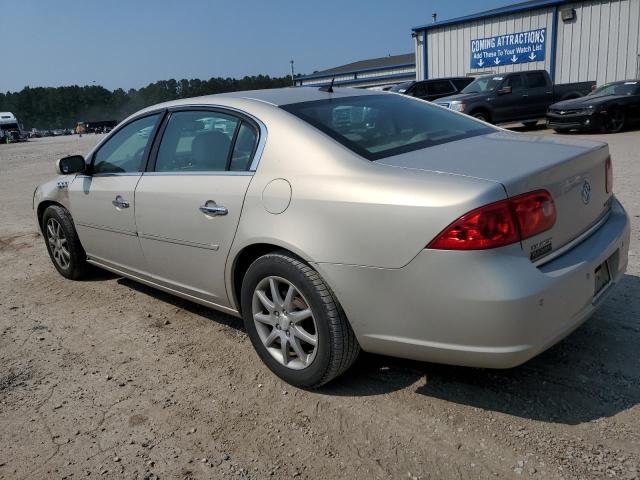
(334, 221)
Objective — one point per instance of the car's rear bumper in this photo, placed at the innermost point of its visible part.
(483, 308)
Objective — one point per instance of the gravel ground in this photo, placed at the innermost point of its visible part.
(107, 378)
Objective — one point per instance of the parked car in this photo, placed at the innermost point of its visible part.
(609, 108)
(340, 220)
(11, 129)
(432, 89)
(513, 97)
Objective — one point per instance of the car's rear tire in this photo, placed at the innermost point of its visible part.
(561, 130)
(63, 244)
(301, 332)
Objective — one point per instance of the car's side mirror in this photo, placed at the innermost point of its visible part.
(504, 90)
(70, 165)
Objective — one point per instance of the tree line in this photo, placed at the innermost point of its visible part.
(63, 107)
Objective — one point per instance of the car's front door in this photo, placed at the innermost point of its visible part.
(102, 203)
(508, 107)
(188, 204)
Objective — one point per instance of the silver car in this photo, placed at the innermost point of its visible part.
(335, 221)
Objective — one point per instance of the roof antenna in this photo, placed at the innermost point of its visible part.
(328, 89)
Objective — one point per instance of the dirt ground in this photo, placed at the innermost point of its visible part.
(110, 379)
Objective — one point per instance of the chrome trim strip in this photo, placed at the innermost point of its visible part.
(579, 239)
(160, 238)
(173, 291)
(221, 173)
(108, 229)
(115, 174)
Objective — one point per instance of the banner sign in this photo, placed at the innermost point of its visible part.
(510, 49)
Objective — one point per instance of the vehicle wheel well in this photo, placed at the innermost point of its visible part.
(482, 110)
(42, 206)
(244, 259)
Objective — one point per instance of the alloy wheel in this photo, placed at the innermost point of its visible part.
(285, 323)
(58, 244)
(614, 122)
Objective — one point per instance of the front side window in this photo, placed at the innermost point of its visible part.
(401, 87)
(379, 126)
(483, 84)
(125, 150)
(196, 141)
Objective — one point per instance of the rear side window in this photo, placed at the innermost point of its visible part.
(515, 82)
(441, 87)
(379, 126)
(125, 150)
(536, 80)
(420, 90)
(196, 141)
(244, 148)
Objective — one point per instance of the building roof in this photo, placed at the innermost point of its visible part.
(513, 8)
(390, 61)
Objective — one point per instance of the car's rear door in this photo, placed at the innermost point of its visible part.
(102, 203)
(188, 203)
(539, 94)
(439, 89)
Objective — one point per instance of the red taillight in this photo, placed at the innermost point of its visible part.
(608, 175)
(499, 224)
(535, 212)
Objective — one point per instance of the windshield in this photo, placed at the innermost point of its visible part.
(623, 88)
(482, 84)
(379, 126)
(401, 87)
(9, 126)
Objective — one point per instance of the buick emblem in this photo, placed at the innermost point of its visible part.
(561, 112)
(586, 192)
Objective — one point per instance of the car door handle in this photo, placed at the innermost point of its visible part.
(210, 208)
(120, 202)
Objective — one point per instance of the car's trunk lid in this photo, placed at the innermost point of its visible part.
(572, 171)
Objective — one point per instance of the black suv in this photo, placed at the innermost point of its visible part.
(432, 89)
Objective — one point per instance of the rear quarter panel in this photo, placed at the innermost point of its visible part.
(345, 209)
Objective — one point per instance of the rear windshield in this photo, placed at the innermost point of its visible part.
(379, 126)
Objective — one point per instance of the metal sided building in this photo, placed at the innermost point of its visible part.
(375, 72)
(591, 40)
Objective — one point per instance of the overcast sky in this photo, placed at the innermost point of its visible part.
(128, 44)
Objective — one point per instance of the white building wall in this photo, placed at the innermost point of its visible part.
(449, 46)
(602, 43)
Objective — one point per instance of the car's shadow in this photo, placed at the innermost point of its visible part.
(189, 306)
(593, 373)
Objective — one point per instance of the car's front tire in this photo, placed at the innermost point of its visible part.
(294, 321)
(614, 121)
(63, 244)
